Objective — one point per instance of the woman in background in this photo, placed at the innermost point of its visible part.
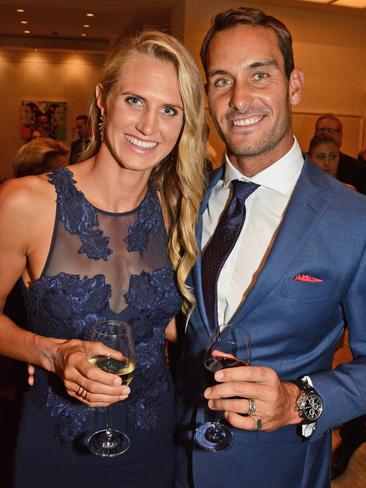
(324, 151)
(112, 239)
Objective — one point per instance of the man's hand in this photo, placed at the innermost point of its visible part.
(275, 401)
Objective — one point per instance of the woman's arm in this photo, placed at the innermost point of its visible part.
(24, 207)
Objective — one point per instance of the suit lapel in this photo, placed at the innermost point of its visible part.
(305, 207)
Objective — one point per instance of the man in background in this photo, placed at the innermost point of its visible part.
(82, 141)
(350, 170)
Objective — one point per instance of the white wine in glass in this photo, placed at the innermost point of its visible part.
(116, 335)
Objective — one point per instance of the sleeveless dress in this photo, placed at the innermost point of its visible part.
(100, 266)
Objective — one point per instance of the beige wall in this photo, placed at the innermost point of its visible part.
(51, 76)
(330, 47)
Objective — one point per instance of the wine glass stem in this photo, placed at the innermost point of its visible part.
(109, 421)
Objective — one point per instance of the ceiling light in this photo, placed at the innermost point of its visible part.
(341, 3)
(83, 34)
(351, 3)
(86, 26)
(24, 21)
(318, 1)
(20, 10)
(27, 32)
(89, 14)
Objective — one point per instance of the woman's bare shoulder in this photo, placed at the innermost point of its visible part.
(25, 192)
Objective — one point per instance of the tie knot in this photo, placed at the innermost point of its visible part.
(242, 189)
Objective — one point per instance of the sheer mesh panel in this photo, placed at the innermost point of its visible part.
(120, 264)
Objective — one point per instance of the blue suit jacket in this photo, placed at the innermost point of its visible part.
(294, 328)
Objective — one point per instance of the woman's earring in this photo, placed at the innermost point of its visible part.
(101, 126)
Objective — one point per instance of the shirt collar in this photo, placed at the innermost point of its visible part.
(280, 176)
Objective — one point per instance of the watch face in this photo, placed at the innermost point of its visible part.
(313, 407)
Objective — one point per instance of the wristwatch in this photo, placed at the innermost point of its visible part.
(309, 403)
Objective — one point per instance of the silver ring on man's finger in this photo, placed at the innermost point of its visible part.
(257, 423)
(252, 407)
(82, 393)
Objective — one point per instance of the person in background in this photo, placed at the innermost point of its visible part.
(324, 151)
(111, 237)
(362, 155)
(38, 156)
(350, 170)
(283, 257)
(82, 130)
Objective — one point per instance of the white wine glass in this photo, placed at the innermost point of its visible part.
(229, 347)
(116, 335)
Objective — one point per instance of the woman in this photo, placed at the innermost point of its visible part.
(102, 252)
(324, 151)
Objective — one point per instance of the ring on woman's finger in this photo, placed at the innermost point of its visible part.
(251, 407)
(81, 392)
(257, 423)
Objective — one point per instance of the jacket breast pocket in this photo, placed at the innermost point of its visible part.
(303, 290)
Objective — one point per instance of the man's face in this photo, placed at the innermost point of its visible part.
(330, 127)
(249, 94)
(81, 128)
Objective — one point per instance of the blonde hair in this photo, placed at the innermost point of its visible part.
(179, 178)
(36, 156)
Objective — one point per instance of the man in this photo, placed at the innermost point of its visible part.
(350, 170)
(80, 144)
(299, 263)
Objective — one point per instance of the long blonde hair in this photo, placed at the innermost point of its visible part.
(179, 178)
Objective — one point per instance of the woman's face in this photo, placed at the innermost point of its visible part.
(326, 156)
(144, 115)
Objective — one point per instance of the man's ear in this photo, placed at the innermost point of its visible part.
(295, 86)
(100, 97)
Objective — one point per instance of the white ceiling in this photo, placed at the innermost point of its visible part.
(55, 20)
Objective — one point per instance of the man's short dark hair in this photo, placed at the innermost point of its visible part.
(251, 16)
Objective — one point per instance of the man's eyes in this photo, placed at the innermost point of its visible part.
(222, 82)
(260, 76)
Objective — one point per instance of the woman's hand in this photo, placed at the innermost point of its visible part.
(82, 380)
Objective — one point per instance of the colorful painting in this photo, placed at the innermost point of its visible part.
(42, 119)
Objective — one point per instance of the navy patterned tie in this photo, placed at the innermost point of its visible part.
(222, 243)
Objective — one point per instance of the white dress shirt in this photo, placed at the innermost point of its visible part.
(264, 211)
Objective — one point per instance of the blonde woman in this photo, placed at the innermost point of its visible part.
(113, 237)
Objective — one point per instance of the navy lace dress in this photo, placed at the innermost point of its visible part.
(100, 266)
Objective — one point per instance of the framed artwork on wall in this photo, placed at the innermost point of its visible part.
(42, 119)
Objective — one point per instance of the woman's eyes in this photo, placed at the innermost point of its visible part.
(137, 102)
(134, 101)
(170, 111)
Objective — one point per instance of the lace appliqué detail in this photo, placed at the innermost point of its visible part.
(154, 296)
(148, 221)
(79, 216)
(68, 305)
(65, 306)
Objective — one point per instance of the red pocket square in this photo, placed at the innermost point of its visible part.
(307, 278)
